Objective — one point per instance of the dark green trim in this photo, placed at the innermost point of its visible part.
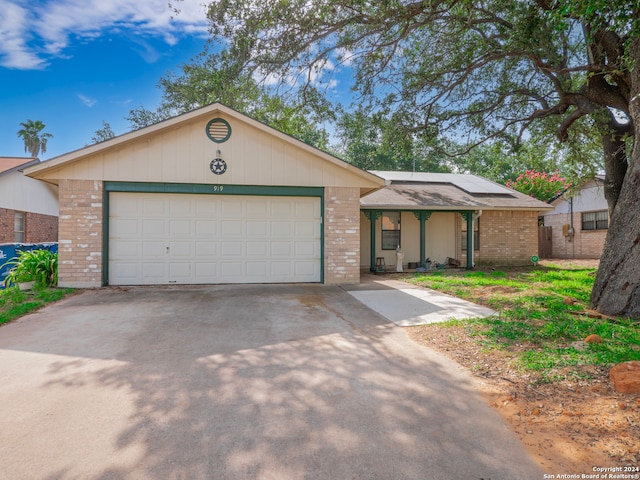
(214, 189)
(225, 123)
(423, 216)
(204, 189)
(470, 245)
(373, 216)
(105, 236)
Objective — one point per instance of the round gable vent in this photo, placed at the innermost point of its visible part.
(218, 130)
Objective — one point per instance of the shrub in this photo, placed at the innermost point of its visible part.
(39, 266)
(540, 185)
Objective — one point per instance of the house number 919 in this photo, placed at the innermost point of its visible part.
(218, 188)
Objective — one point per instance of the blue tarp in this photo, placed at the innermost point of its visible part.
(9, 251)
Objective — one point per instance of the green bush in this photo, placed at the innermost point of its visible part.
(39, 266)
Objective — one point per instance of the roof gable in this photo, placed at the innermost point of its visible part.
(181, 149)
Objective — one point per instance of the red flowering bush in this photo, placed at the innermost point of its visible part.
(540, 185)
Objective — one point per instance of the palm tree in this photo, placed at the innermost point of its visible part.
(34, 141)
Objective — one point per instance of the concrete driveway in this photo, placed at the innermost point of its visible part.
(237, 382)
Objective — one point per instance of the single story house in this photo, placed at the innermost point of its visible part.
(28, 207)
(210, 196)
(213, 196)
(579, 221)
(436, 216)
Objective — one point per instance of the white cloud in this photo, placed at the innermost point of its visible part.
(32, 33)
(89, 102)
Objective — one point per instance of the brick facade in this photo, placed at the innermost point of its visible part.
(583, 244)
(341, 235)
(506, 238)
(80, 244)
(38, 228)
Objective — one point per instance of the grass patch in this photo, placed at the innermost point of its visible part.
(534, 322)
(14, 303)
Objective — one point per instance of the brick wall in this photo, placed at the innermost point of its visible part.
(38, 228)
(506, 238)
(341, 235)
(80, 243)
(6, 225)
(583, 244)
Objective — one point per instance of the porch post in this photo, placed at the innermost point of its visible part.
(372, 215)
(468, 216)
(423, 216)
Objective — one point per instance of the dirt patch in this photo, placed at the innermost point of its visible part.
(569, 426)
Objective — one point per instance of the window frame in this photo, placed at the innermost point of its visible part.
(19, 220)
(392, 235)
(597, 222)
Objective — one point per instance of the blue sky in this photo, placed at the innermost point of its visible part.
(74, 63)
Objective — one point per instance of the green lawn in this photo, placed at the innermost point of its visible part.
(534, 323)
(15, 303)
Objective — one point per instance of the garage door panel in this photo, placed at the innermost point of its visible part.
(206, 249)
(152, 249)
(154, 272)
(180, 228)
(186, 238)
(256, 269)
(206, 272)
(280, 249)
(231, 249)
(232, 208)
(127, 249)
(154, 228)
(125, 226)
(231, 228)
(257, 228)
(179, 271)
(181, 249)
(281, 209)
(304, 268)
(206, 228)
(281, 229)
(153, 206)
(257, 249)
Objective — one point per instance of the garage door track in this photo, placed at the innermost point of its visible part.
(237, 382)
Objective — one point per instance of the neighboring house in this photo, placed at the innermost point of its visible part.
(213, 196)
(436, 216)
(28, 207)
(579, 221)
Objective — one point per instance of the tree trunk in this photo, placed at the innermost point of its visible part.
(616, 290)
(615, 161)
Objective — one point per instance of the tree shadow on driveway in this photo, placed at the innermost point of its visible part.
(237, 382)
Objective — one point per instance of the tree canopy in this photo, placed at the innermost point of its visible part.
(470, 71)
(214, 77)
(35, 140)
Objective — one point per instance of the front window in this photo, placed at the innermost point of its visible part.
(476, 234)
(18, 227)
(390, 230)
(595, 220)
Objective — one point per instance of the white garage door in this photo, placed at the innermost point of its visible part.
(198, 239)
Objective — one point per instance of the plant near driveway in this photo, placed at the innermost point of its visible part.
(39, 266)
(14, 303)
(535, 325)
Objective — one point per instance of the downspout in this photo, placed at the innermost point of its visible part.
(474, 217)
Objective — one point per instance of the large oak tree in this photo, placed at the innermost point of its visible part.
(472, 70)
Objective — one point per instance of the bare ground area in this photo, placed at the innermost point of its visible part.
(569, 426)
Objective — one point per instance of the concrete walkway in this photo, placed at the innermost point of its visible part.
(407, 305)
(238, 382)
